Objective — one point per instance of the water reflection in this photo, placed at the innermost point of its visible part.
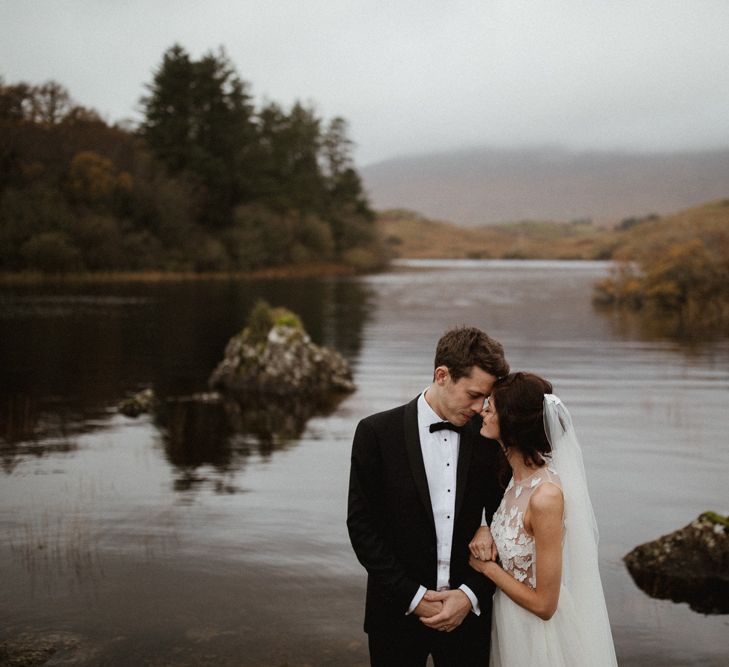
(654, 325)
(221, 431)
(706, 595)
(69, 354)
(25, 431)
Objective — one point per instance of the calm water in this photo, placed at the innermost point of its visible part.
(179, 540)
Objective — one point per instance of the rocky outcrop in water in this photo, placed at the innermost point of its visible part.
(689, 565)
(272, 380)
(142, 402)
(274, 356)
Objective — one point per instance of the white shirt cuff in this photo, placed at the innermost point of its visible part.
(416, 600)
(474, 600)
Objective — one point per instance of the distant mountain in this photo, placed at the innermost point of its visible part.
(482, 186)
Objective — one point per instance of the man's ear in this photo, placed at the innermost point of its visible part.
(441, 374)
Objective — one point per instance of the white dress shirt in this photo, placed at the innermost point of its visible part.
(440, 456)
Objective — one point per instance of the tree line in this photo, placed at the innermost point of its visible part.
(206, 182)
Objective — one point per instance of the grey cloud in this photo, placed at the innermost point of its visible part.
(413, 76)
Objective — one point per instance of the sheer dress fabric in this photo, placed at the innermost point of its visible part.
(519, 637)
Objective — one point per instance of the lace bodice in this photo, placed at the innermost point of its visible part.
(516, 547)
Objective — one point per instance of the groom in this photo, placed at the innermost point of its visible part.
(421, 479)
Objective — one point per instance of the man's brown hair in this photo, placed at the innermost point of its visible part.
(461, 348)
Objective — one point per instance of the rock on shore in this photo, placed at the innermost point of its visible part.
(689, 565)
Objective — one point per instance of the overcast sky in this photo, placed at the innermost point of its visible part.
(411, 76)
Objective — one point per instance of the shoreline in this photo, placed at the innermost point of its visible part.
(269, 273)
(274, 273)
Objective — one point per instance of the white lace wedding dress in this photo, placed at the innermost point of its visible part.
(518, 637)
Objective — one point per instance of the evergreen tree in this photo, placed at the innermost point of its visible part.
(337, 148)
(290, 146)
(168, 122)
(198, 122)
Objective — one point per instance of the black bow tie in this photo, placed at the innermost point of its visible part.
(439, 426)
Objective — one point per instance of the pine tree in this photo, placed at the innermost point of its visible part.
(198, 122)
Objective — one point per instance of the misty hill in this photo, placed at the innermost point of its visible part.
(480, 186)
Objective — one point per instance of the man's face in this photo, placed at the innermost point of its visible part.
(461, 400)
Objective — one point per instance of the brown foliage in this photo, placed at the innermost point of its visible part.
(676, 265)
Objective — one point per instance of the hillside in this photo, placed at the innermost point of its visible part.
(485, 186)
(410, 235)
(654, 236)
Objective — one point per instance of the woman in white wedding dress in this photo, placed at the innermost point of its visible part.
(549, 608)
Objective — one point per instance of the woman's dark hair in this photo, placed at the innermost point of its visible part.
(462, 348)
(519, 402)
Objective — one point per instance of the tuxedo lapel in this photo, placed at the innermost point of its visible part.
(465, 453)
(415, 456)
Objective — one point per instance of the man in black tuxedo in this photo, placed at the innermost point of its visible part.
(421, 479)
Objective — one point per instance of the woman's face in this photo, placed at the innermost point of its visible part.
(490, 427)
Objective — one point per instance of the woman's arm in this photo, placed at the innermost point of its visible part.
(546, 507)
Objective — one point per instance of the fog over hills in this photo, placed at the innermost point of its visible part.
(480, 186)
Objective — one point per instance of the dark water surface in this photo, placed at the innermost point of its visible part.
(177, 540)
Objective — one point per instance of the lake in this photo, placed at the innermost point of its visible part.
(179, 540)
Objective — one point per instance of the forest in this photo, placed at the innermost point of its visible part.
(206, 182)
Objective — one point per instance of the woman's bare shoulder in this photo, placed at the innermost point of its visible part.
(547, 498)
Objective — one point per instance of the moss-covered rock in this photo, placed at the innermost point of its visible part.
(274, 355)
(689, 565)
(263, 318)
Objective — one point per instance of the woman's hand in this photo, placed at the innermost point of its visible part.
(482, 545)
(485, 567)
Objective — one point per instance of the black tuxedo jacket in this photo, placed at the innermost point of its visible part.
(390, 516)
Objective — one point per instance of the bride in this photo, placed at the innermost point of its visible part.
(549, 608)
